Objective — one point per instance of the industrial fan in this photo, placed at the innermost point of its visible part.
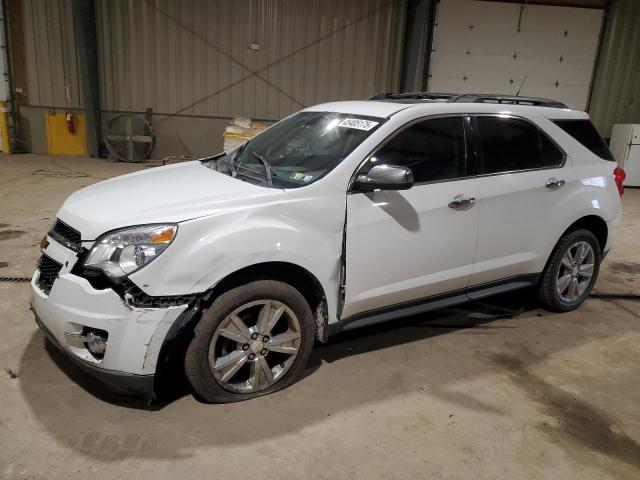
(129, 138)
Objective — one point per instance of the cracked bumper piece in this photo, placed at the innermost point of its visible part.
(134, 335)
(119, 382)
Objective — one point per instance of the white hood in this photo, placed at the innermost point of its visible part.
(164, 194)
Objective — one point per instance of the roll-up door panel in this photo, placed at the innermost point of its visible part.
(489, 47)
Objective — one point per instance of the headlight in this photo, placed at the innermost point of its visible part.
(122, 252)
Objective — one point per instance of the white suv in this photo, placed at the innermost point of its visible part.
(339, 216)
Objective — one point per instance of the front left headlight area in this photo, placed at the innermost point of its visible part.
(121, 252)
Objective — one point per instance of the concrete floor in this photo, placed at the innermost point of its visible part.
(494, 390)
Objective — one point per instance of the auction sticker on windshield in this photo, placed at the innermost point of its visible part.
(357, 123)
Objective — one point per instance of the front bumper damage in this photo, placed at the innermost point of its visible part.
(120, 382)
(136, 335)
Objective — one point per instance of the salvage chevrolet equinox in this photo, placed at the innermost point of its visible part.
(339, 216)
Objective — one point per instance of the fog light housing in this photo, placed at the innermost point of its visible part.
(96, 342)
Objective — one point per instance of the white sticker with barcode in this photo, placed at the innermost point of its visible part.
(357, 123)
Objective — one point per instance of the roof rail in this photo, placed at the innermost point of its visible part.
(418, 97)
(507, 99)
(415, 96)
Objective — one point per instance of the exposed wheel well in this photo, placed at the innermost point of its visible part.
(300, 278)
(169, 368)
(595, 225)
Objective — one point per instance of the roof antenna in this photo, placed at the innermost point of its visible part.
(523, 80)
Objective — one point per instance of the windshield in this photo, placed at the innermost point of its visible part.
(298, 150)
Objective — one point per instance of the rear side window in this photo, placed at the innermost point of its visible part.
(433, 149)
(511, 144)
(585, 133)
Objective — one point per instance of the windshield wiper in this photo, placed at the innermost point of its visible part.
(267, 168)
(232, 163)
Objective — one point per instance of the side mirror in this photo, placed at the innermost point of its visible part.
(385, 177)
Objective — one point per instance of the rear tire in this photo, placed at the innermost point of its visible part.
(253, 340)
(571, 271)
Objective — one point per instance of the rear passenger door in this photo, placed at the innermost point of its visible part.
(523, 185)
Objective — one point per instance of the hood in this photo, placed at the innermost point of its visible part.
(170, 194)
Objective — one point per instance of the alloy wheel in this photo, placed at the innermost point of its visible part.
(575, 272)
(254, 346)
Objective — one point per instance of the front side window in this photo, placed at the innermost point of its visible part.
(433, 149)
(298, 150)
(512, 144)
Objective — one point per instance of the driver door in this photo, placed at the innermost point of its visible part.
(408, 245)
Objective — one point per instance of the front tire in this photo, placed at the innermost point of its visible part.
(253, 340)
(571, 271)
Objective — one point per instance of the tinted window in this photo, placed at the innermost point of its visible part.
(511, 144)
(433, 149)
(584, 132)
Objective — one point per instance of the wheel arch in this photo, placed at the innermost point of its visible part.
(550, 297)
(298, 277)
(595, 224)
(171, 357)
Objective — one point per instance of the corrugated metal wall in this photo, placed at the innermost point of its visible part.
(616, 90)
(52, 72)
(193, 57)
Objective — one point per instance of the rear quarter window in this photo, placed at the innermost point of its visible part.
(585, 133)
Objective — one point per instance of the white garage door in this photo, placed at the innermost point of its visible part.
(489, 47)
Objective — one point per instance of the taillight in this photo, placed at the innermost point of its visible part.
(619, 176)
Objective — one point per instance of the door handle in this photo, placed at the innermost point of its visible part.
(553, 183)
(460, 202)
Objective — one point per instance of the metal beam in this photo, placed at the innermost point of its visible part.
(84, 23)
(415, 57)
(598, 4)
